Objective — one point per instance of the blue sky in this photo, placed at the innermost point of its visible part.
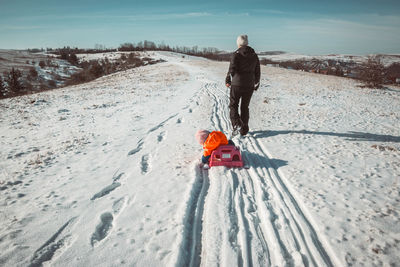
(309, 27)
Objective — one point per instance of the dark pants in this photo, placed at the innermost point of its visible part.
(237, 94)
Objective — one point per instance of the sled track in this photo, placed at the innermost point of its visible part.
(190, 250)
(297, 238)
(247, 217)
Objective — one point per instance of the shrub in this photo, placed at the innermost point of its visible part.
(2, 87)
(52, 84)
(90, 71)
(33, 73)
(50, 63)
(393, 72)
(372, 72)
(42, 64)
(96, 69)
(107, 66)
(339, 71)
(27, 86)
(79, 77)
(134, 60)
(43, 85)
(13, 81)
(73, 59)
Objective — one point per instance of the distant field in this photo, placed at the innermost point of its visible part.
(54, 71)
(387, 60)
(20, 59)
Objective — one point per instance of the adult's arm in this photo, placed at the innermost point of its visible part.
(231, 70)
(257, 71)
(257, 74)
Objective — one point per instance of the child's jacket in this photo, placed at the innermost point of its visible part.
(213, 141)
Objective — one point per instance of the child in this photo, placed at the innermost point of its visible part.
(211, 141)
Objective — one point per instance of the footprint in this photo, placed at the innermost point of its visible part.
(161, 124)
(116, 178)
(102, 229)
(119, 205)
(137, 149)
(144, 164)
(11, 235)
(55, 243)
(162, 254)
(160, 137)
(106, 190)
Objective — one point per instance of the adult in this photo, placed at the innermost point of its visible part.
(243, 78)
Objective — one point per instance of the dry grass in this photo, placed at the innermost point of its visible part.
(384, 148)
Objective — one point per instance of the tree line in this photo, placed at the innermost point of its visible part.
(68, 52)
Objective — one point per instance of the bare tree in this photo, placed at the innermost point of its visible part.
(126, 47)
(99, 47)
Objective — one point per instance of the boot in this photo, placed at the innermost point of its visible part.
(244, 130)
(237, 127)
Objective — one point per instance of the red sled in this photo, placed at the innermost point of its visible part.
(227, 155)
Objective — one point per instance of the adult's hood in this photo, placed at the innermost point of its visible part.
(246, 51)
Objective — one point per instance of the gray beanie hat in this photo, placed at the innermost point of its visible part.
(242, 40)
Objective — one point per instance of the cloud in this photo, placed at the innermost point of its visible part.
(169, 16)
(270, 11)
(373, 29)
(20, 27)
(91, 16)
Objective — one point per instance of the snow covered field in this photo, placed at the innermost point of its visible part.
(386, 60)
(107, 173)
(111, 56)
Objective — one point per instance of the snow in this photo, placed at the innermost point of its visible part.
(111, 56)
(62, 70)
(107, 173)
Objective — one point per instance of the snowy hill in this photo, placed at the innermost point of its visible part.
(107, 173)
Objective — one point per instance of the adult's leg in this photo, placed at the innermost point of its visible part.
(244, 110)
(244, 106)
(234, 106)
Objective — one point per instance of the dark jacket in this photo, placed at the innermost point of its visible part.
(244, 69)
